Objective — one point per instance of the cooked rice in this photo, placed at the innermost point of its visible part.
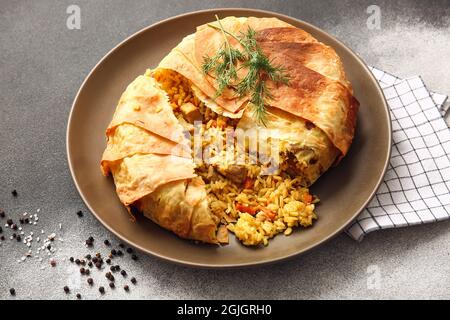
(273, 204)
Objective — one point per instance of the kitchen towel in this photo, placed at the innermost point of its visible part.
(416, 187)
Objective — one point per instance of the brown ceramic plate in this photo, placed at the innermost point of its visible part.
(345, 190)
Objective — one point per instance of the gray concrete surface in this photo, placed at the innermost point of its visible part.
(42, 65)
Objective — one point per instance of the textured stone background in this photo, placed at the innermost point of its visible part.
(42, 65)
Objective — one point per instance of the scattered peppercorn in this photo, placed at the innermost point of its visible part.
(87, 272)
(90, 264)
(90, 281)
(129, 250)
(49, 247)
(14, 235)
(66, 289)
(53, 262)
(102, 290)
(134, 257)
(9, 222)
(122, 245)
(27, 220)
(106, 242)
(2, 214)
(83, 262)
(117, 268)
(94, 260)
(80, 213)
(119, 253)
(113, 252)
(14, 193)
(88, 256)
(123, 273)
(71, 259)
(12, 291)
(1, 230)
(108, 261)
(126, 287)
(2, 238)
(19, 238)
(14, 226)
(82, 270)
(78, 296)
(77, 261)
(98, 265)
(133, 280)
(112, 285)
(22, 220)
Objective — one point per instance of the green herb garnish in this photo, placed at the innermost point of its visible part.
(224, 67)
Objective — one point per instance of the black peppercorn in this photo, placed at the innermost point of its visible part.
(133, 280)
(90, 264)
(9, 222)
(122, 245)
(123, 273)
(14, 193)
(80, 213)
(129, 250)
(102, 290)
(106, 242)
(108, 261)
(87, 272)
(82, 270)
(1, 230)
(12, 291)
(2, 214)
(112, 285)
(78, 296)
(134, 257)
(77, 261)
(19, 238)
(98, 265)
(113, 252)
(126, 287)
(119, 253)
(88, 256)
(66, 289)
(90, 281)
(71, 259)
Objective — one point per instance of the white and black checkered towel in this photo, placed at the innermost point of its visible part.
(416, 188)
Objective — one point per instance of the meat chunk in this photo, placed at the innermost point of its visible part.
(190, 112)
(234, 173)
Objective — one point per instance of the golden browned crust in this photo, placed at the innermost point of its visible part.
(318, 90)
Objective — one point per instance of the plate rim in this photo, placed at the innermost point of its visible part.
(246, 11)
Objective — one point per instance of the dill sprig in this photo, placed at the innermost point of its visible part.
(224, 67)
